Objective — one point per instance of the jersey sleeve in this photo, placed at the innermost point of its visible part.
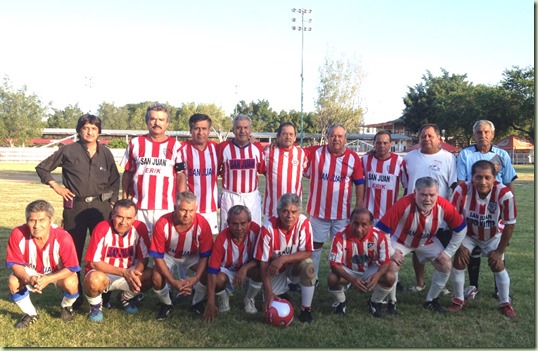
(336, 254)
(68, 253)
(93, 254)
(143, 244)
(461, 166)
(358, 173)
(451, 216)
(509, 174)
(263, 246)
(157, 247)
(206, 238)
(217, 254)
(508, 206)
(14, 255)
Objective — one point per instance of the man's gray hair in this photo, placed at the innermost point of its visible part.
(336, 125)
(242, 117)
(186, 196)
(426, 182)
(482, 122)
(39, 206)
(237, 210)
(288, 199)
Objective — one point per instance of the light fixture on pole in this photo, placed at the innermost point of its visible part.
(302, 28)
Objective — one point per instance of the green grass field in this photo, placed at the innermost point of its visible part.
(480, 325)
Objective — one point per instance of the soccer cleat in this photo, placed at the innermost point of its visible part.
(96, 313)
(470, 292)
(391, 308)
(434, 305)
(250, 306)
(306, 315)
(199, 307)
(375, 309)
(223, 302)
(66, 314)
(457, 305)
(339, 308)
(416, 288)
(294, 287)
(129, 305)
(26, 321)
(163, 312)
(507, 310)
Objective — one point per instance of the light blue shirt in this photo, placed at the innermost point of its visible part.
(468, 156)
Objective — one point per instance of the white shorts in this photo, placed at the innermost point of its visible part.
(424, 253)
(251, 200)
(115, 282)
(185, 262)
(231, 276)
(486, 246)
(322, 227)
(212, 219)
(371, 270)
(150, 217)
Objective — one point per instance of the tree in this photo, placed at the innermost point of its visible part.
(113, 117)
(221, 124)
(264, 119)
(21, 115)
(339, 92)
(136, 119)
(66, 118)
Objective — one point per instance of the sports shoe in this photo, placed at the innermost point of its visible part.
(250, 306)
(445, 292)
(375, 309)
(96, 313)
(163, 312)
(294, 287)
(470, 292)
(416, 288)
(306, 315)
(26, 321)
(457, 305)
(223, 301)
(78, 303)
(66, 313)
(434, 305)
(507, 310)
(391, 308)
(129, 305)
(199, 307)
(339, 308)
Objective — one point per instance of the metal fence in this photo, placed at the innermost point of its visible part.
(36, 155)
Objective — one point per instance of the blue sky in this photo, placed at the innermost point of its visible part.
(214, 51)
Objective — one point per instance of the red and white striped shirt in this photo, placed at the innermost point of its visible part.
(382, 182)
(152, 163)
(411, 228)
(485, 217)
(283, 173)
(120, 251)
(331, 182)
(167, 240)
(240, 166)
(58, 253)
(226, 253)
(358, 255)
(274, 242)
(201, 173)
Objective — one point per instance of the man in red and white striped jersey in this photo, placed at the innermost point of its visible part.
(40, 254)
(231, 263)
(490, 211)
(284, 167)
(382, 171)
(332, 169)
(240, 162)
(181, 238)
(150, 166)
(412, 224)
(117, 259)
(284, 250)
(201, 168)
(360, 257)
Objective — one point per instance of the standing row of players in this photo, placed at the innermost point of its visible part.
(154, 166)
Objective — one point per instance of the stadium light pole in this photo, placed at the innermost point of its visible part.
(302, 28)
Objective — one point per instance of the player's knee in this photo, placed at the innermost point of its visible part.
(333, 281)
(443, 267)
(307, 273)
(71, 284)
(222, 280)
(14, 284)
(94, 283)
(388, 279)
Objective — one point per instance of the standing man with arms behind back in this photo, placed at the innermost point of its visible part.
(483, 133)
(333, 169)
(151, 164)
(200, 156)
(91, 183)
(240, 162)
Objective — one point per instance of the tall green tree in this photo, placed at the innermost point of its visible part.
(65, 118)
(264, 118)
(221, 124)
(136, 119)
(113, 117)
(339, 95)
(21, 115)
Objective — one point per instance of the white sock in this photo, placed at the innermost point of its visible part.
(439, 280)
(339, 295)
(307, 294)
(27, 306)
(379, 294)
(253, 289)
(164, 295)
(200, 291)
(392, 293)
(503, 285)
(95, 300)
(316, 257)
(68, 301)
(458, 282)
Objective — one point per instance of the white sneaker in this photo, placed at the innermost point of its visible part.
(250, 307)
(445, 292)
(417, 288)
(223, 302)
(470, 292)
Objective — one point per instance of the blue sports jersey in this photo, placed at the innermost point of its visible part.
(500, 158)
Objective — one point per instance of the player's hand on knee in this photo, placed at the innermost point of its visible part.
(397, 257)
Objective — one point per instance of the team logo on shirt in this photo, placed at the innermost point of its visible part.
(370, 246)
(492, 207)
(295, 162)
(242, 163)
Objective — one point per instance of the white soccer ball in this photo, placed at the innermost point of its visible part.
(280, 313)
